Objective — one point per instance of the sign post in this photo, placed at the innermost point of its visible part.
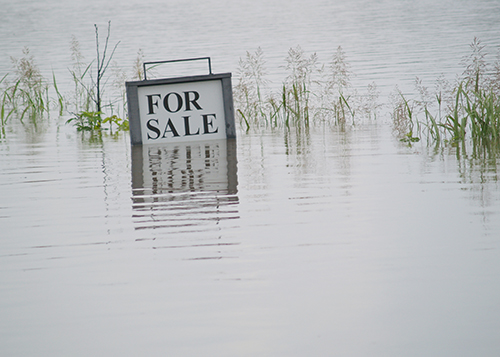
(181, 109)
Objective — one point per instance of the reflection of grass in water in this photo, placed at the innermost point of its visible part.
(311, 93)
(465, 114)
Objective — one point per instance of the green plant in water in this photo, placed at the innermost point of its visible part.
(89, 80)
(336, 88)
(409, 138)
(403, 116)
(60, 98)
(92, 121)
(253, 108)
(102, 64)
(27, 96)
(468, 113)
(116, 121)
(296, 89)
(86, 121)
(6, 98)
(311, 93)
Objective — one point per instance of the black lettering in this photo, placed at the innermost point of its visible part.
(186, 127)
(192, 101)
(166, 102)
(151, 103)
(208, 123)
(172, 129)
(154, 129)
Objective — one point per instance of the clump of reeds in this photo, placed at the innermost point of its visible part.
(404, 124)
(297, 87)
(466, 112)
(26, 96)
(311, 93)
(252, 107)
(335, 91)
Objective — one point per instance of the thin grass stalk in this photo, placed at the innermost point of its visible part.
(4, 97)
(13, 95)
(260, 105)
(2, 109)
(3, 78)
(12, 110)
(306, 106)
(492, 114)
(60, 98)
(432, 127)
(274, 112)
(453, 122)
(244, 119)
(343, 99)
(296, 99)
(102, 64)
(286, 116)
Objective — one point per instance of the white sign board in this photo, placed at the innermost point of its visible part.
(183, 109)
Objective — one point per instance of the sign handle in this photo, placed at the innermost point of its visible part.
(179, 60)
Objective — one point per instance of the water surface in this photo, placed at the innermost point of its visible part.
(331, 241)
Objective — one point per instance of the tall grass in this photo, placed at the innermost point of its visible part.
(83, 91)
(311, 93)
(252, 107)
(92, 110)
(90, 79)
(404, 124)
(296, 92)
(27, 95)
(464, 113)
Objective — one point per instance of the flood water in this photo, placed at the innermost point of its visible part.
(328, 242)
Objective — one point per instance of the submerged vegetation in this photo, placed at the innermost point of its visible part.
(310, 94)
(31, 96)
(27, 95)
(464, 114)
(92, 121)
(89, 85)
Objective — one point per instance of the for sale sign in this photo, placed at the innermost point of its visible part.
(181, 109)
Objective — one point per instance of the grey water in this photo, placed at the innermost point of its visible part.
(332, 241)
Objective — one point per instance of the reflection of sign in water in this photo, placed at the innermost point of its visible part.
(184, 182)
(184, 109)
